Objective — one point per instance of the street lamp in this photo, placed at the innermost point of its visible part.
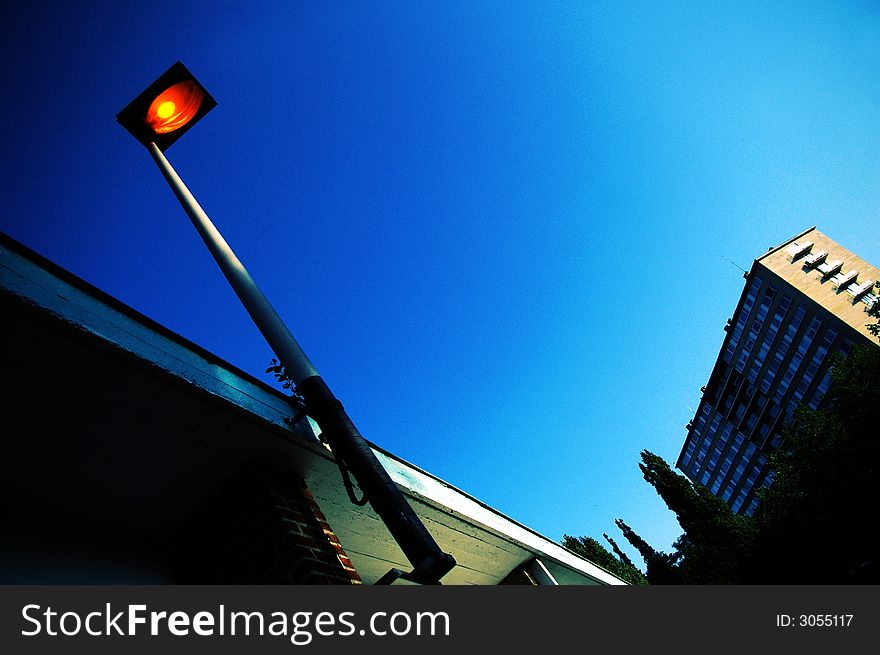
(159, 116)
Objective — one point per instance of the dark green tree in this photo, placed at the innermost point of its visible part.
(814, 524)
(816, 521)
(874, 312)
(623, 556)
(661, 568)
(594, 551)
(716, 543)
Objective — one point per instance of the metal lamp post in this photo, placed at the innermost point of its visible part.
(160, 115)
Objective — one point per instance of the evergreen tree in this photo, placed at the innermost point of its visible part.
(815, 520)
(815, 523)
(623, 556)
(661, 568)
(874, 312)
(592, 550)
(716, 543)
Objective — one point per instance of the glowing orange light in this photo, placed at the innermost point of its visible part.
(166, 109)
(174, 107)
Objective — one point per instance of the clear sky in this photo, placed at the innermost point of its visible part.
(507, 233)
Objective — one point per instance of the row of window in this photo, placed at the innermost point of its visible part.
(755, 331)
(770, 337)
(752, 294)
(757, 339)
(782, 350)
(765, 371)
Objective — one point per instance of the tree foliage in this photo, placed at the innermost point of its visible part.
(660, 566)
(814, 524)
(592, 550)
(874, 312)
(715, 543)
(623, 556)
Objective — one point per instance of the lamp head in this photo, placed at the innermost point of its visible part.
(167, 108)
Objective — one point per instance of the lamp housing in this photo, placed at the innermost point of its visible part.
(166, 109)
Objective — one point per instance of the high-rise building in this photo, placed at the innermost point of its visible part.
(803, 300)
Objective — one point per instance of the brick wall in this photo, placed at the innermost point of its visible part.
(264, 528)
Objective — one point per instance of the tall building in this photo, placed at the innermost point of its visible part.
(803, 300)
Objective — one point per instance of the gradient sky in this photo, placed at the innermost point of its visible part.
(507, 233)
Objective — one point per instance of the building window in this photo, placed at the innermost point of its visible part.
(755, 412)
(719, 448)
(817, 360)
(782, 351)
(749, 484)
(825, 384)
(751, 295)
(755, 331)
(770, 337)
(728, 460)
(768, 421)
(740, 468)
(795, 363)
(695, 436)
(707, 441)
(728, 491)
(689, 451)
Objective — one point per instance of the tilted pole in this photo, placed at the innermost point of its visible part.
(429, 562)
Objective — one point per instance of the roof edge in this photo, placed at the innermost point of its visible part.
(785, 243)
(102, 296)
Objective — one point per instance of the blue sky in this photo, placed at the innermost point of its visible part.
(507, 233)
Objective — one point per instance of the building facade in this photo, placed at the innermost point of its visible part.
(802, 301)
